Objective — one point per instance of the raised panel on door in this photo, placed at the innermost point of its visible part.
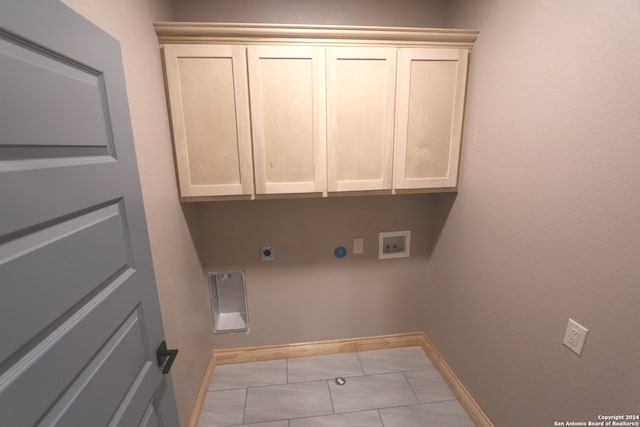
(360, 116)
(287, 88)
(429, 109)
(79, 312)
(208, 97)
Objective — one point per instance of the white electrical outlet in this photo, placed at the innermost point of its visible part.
(358, 246)
(574, 336)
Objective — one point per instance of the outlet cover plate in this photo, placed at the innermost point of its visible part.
(358, 246)
(575, 336)
(268, 253)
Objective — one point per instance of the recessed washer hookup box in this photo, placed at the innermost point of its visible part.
(229, 301)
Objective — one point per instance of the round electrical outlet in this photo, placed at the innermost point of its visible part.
(267, 253)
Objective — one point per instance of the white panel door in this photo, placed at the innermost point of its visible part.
(429, 109)
(360, 114)
(79, 314)
(287, 89)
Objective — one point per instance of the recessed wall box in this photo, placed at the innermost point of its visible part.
(394, 244)
(268, 253)
(228, 301)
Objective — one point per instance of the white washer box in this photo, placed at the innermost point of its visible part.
(228, 301)
(394, 244)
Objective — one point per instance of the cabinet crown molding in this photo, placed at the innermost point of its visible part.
(214, 32)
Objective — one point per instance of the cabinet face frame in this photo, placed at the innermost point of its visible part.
(317, 136)
(405, 58)
(237, 56)
(334, 56)
(211, 35)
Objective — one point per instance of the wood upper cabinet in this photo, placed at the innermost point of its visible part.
(429, 108)
(209, 103)
(262, 110)
(360, 108)
(287, 91)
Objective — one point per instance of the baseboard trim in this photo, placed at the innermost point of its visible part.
(289, 351)
(467, 401)
(202, 393)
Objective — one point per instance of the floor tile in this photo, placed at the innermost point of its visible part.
(352, 419)
(281, 423)
(251, 374)
(287, 401)
(223, 408)
(324, 367)
(371, 392)
(429, 386)
(394, 360)
(441, 414)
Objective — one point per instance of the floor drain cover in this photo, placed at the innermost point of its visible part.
(340, 381)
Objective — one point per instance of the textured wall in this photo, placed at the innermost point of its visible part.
(404, 13)
(181, 282)
(307, 294)
(546, 224)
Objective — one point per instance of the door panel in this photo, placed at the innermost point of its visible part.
(45, 83)
(128, 413)
(209, 103)
(287, 87)
(58, 251)
(361, 86)
(54, 361)
(430, 101)
(150, 419)
(79, 312)
(109, 375)
(210, 120)
(430, 114)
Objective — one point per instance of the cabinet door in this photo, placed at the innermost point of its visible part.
(209, 101)
(360, 110)
(429, 108)
(287, 88)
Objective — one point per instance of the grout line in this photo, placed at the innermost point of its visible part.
(408, 405)
(312, 381)
(442, 401)
(333, 409)
(360, 362)
(377, 374)
(396, 371)
(283, 384)
(410, 386)
(380, 416)
(328, 415)
(246, 396)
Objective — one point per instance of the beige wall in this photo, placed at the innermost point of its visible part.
(181, 283)
(407, 13)
(546, 224)
(307, 294)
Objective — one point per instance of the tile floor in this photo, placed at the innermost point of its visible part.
(385, 388)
